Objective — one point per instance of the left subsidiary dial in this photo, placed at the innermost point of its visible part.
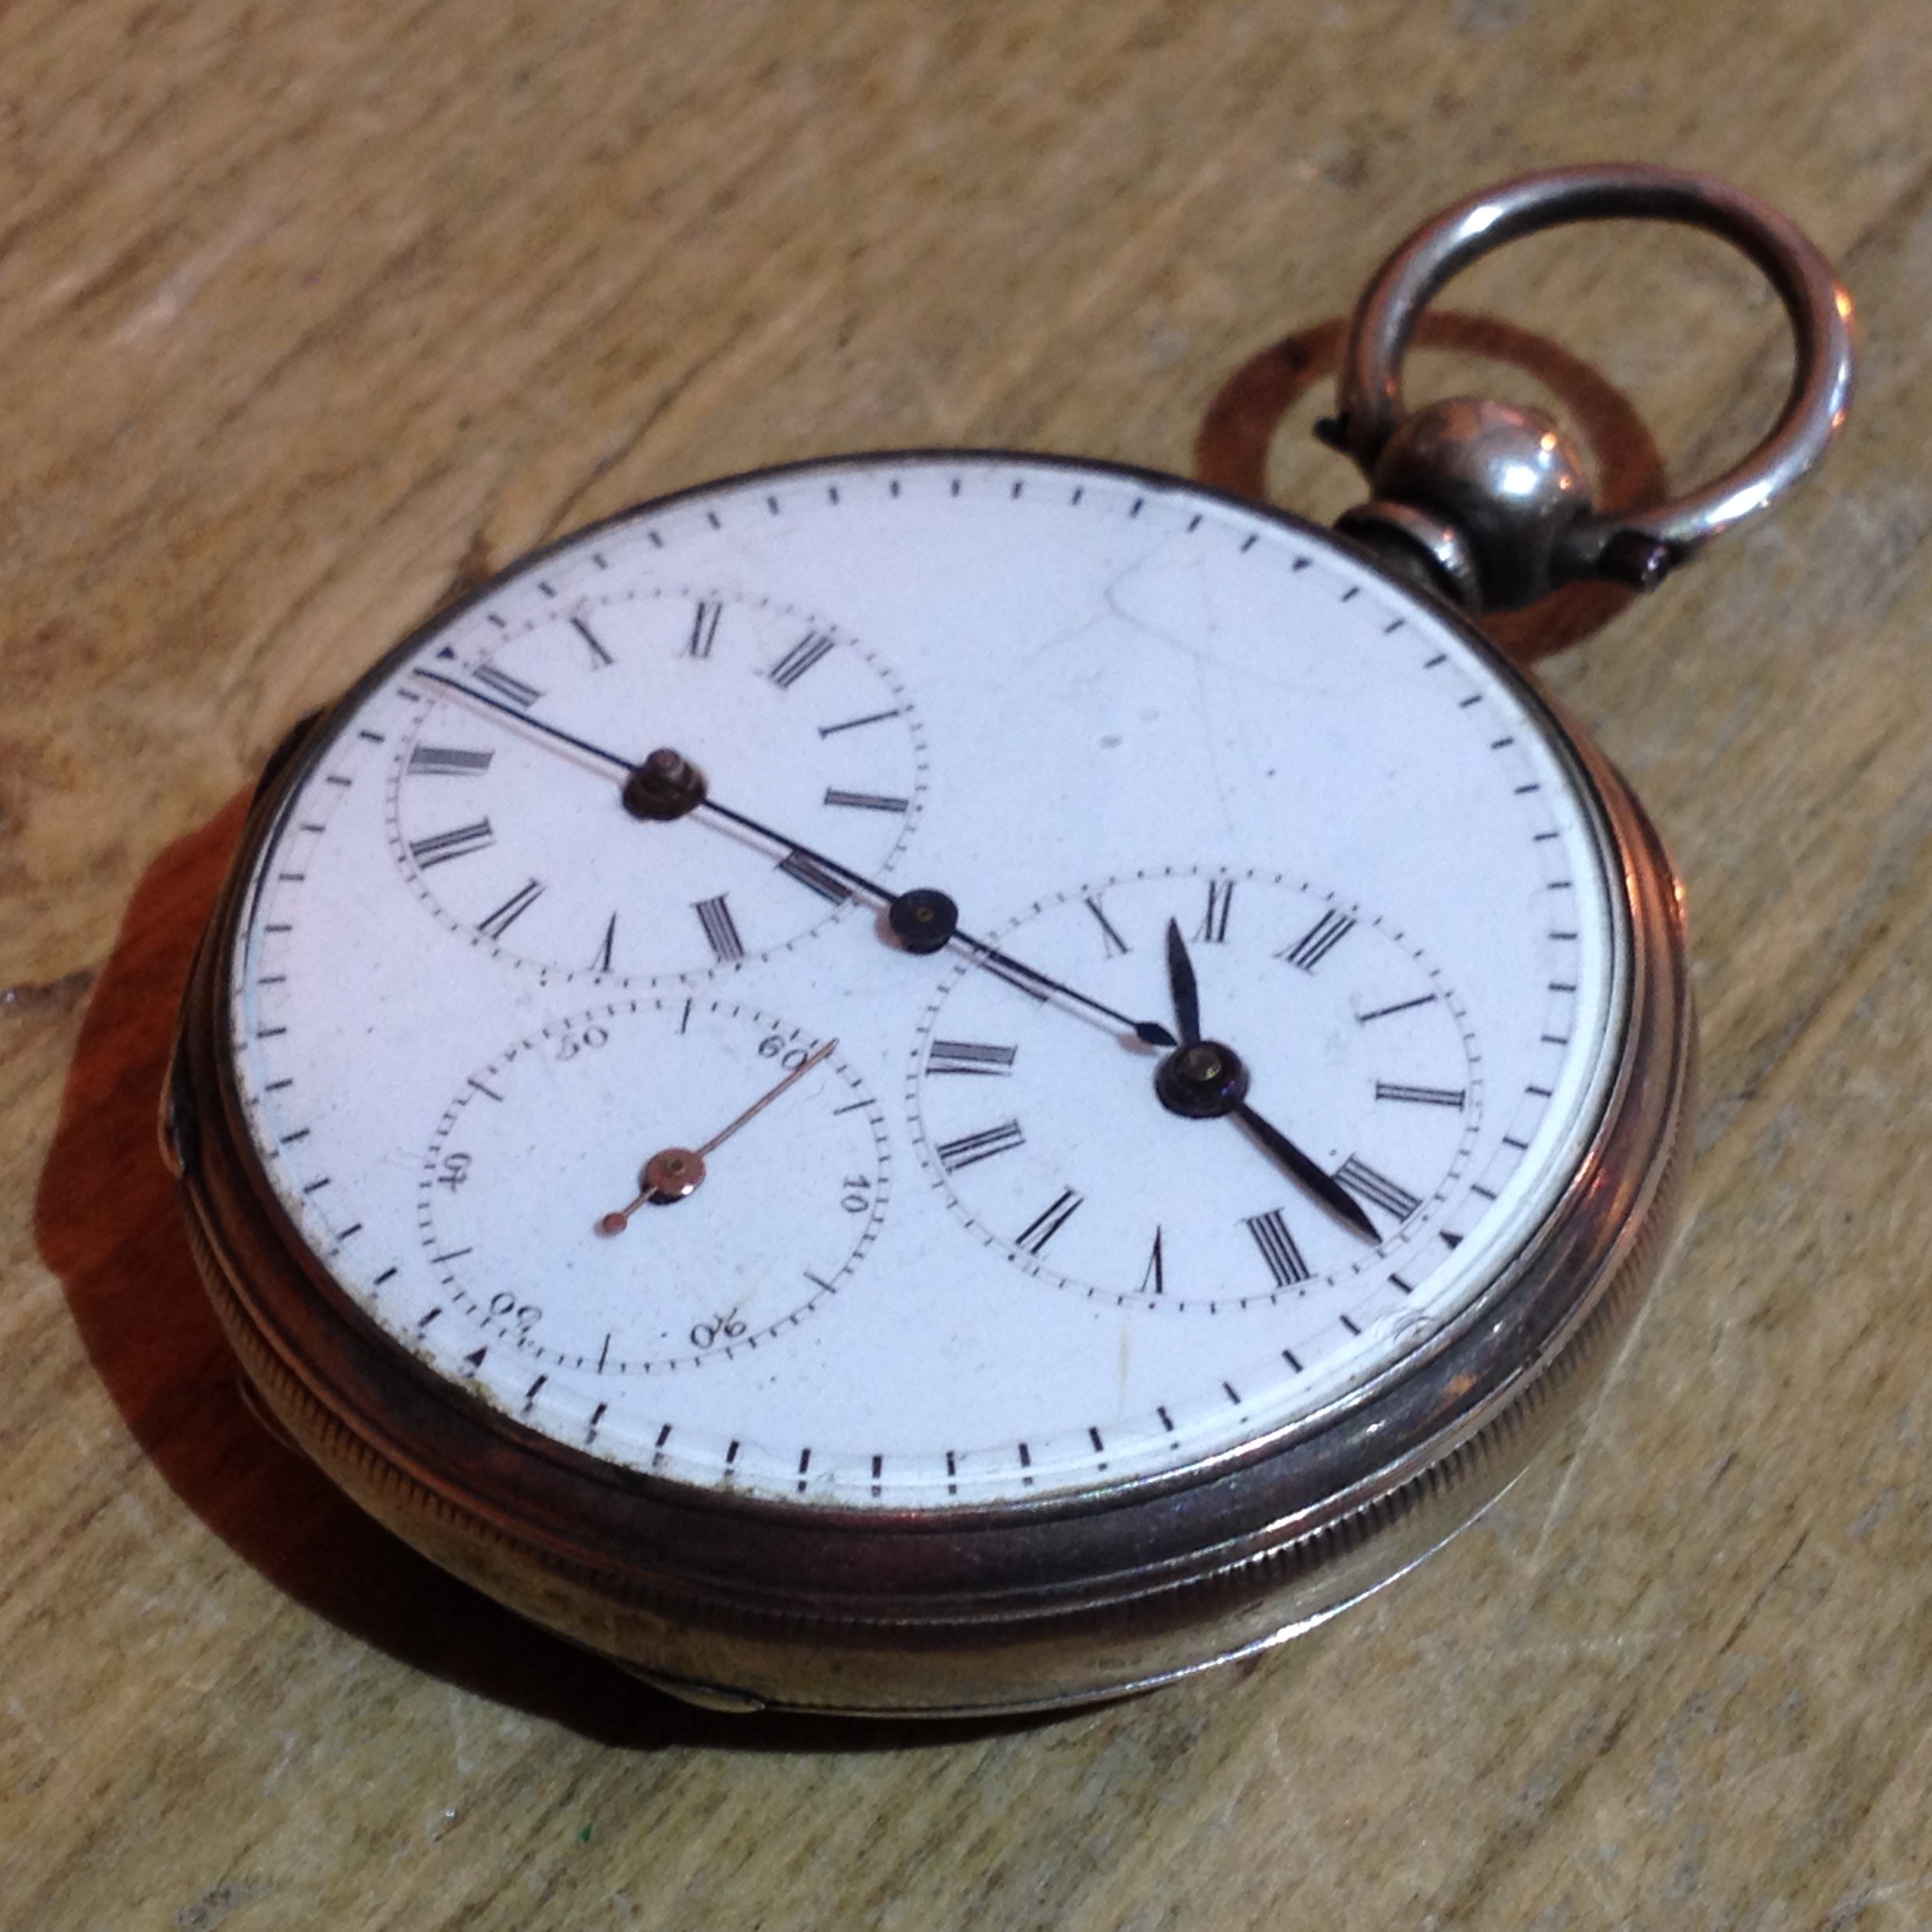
(505, 807)
(643, 1188)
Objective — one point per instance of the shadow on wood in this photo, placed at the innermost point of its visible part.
(1231, 451)
(106, 1224)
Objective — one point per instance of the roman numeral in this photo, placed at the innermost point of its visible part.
(447, 762)
(1213, 928)
(599, 656)
(1048, 1222)
(1382, 1012)
(703, 630)
(813, 877)
(715, 915)
(1421, 1096)
(1278, 1247)
(954, 1154)
(866, 801)
(439, 847)
(602, 962)
(871, 718)
(505, 686)
(1111, 943)
(969, 1057)
(1319, 941)
(494, 925)
(1153, 1279)
(1365, 1184)
(800, 659)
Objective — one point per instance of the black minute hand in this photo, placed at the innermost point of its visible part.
(1324, 1187)
(1150, 1032)
(1218, 1085)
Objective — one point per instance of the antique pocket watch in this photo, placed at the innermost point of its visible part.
(954, 1081)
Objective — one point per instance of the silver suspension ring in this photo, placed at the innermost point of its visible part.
(1597, 543)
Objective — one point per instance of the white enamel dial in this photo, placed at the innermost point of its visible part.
(1356, 1046)
(1077, 701)
(523, 867)
(545, 1146)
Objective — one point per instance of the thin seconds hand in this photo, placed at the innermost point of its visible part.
(1149, 1033)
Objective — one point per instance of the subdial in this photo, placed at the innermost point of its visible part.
(1341, 1103)
(569, 1212)
(521, 842)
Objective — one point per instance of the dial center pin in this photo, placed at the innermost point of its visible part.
(666, 785)
(1205, 1081)
(672, 1173)
(922, 920)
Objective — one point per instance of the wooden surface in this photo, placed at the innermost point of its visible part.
(309, 314)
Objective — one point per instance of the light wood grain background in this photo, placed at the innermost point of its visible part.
(310, 314)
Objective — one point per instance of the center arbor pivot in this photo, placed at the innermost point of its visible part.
(666, 785)
(1205, 1081)
(922, 920)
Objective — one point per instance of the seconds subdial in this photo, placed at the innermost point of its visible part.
(1082, 1156)
(520, 841)
(645, 1255)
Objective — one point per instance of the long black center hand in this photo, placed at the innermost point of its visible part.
(522, 717)
(1205, 1081)
(1149, 1033)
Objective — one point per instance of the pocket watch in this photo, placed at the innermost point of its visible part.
(957, 1081)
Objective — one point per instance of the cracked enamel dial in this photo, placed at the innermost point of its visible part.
(974, 1257)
